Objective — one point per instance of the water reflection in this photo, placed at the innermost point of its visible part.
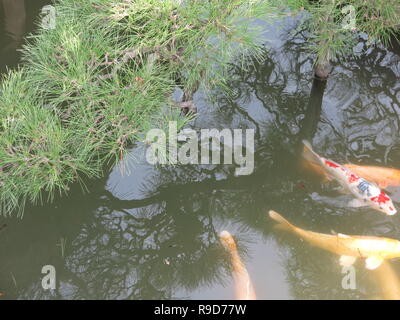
(14, 21)
(14, 29)
(17, 19)
(153, 233)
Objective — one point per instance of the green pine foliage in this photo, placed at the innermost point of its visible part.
(335, 25)
(89, 88)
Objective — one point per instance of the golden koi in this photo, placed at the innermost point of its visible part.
(365, 193)
(244, 289)
(388, 281)
(374, 249)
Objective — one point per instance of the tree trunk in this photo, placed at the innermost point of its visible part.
(323, 70)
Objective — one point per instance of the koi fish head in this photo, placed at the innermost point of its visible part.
(388, 208)
(383, 203)
(227, 240)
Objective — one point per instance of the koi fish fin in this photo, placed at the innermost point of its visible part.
(309, 154)
(357, 203)
(345, 236)
(342, 189)
(317, 169)
(383, 184)
(334, 232)
(283, 224)
(347, 261)
(372, 262)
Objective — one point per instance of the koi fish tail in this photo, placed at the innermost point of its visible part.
(309, 154)
(313, 162)
(283, 224)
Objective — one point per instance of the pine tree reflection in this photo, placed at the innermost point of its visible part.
(151, 247)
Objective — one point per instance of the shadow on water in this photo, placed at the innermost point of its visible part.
(153, 232)
(313, 112)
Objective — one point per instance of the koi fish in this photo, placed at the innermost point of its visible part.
(244, 289)
(388, 281)
(383, 177)
(373, 249)
(365, 193)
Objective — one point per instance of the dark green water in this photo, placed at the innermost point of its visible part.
(153, 232)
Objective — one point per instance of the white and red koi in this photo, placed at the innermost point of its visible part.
(383, 177)
(366, 193)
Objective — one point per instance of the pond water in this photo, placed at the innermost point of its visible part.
(152, 233)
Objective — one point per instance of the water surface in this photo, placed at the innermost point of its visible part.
(152, 233)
